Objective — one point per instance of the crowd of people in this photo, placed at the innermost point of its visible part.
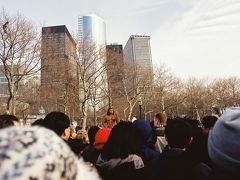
(168, 149)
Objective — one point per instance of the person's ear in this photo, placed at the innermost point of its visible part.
(190, 140)
(165, 137)
(65, 134)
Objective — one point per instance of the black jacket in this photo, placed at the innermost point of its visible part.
(172, 165)
(90, 154)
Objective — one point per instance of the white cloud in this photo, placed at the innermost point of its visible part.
(204, 42)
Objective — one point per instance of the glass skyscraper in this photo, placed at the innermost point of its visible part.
(92, 29)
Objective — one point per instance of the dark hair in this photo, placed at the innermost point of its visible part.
(38, 122)
(108, 111)
(122, 141)
(158, 116)
(91, 133)
(178, 133)
(209, 121)
(216, 110)
(57, 121)
(162, 118)
(7, 120)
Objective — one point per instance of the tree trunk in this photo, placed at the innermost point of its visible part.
(9, 104)
(84, 114)
(94, 114)
(130, 113)
(11, 100)
(14, 105)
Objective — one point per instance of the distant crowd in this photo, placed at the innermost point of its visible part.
(165, 149)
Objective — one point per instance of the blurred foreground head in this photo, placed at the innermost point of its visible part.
(223, 141)
(38, 153)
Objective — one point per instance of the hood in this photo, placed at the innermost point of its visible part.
(144, 130)
(112, 163)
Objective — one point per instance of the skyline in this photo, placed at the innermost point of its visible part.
(193, 38)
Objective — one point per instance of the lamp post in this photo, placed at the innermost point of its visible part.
(140, 108)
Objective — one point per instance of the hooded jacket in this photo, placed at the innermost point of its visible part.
(147, 150)
(128, 168)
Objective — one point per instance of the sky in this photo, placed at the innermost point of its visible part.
(194, 38)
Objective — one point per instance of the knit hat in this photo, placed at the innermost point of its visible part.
(223, 141)
(38, 153)
(101, 138)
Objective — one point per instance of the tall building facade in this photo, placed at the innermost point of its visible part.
(59, 89)
(137, 53)
(115, 73)
(92, 29)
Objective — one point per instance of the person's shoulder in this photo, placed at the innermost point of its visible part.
(107, 117)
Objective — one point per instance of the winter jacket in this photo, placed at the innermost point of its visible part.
(129, 168)
(172, 164)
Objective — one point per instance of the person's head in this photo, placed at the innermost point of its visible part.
(160, 119)
(101, 138)
(91, 134)
(82, 134)
(110, 111)
(7, 120)
(122, 142)
(223, 142)
(208, 122)
(59, 123)
(216, 111)
(178, 134)
(73, 133)
(38, 153)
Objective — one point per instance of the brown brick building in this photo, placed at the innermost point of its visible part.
(115, 73)
(59, 78)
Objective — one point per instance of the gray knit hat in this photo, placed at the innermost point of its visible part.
(224, 141)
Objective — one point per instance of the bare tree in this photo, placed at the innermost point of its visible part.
(136, 83)
(91, 63)
(225, 91)
(168, 92)
(196, 90)
(29, 97)
(19, 53)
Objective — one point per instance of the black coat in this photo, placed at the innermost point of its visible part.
(197, 151)
(172, 165)
(90, 154)
(76, 146)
